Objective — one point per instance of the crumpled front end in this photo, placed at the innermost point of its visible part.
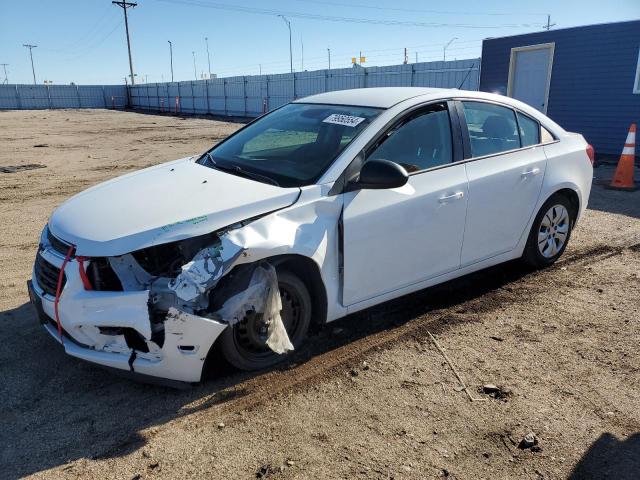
(151, 311)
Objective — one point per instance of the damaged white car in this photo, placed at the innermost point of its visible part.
(321, 208)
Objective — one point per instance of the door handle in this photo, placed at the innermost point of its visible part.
(449, 198)
(530, 173)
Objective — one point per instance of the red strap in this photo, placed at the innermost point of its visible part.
(59, 290)
(83, 273)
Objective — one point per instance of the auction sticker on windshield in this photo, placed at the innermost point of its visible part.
(346, 120)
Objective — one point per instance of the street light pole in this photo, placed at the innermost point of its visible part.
(444, 50)
(195, 72)
(329, 54)
(31, 47)
(6, 79)
(171, 58)
(290, 47)
(208, 57)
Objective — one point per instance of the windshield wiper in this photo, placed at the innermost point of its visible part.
(235, 169)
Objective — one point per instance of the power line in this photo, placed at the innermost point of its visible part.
(31, 47)
(86, 37)
(418, 10)
(125, 5)
(91, 46)
(330, 18)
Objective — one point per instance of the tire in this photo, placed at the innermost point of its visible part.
(243, 345)
(550, 232)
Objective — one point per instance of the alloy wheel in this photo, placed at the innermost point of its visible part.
(553, 231)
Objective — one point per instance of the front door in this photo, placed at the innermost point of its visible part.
(397, 237)
(530, 74)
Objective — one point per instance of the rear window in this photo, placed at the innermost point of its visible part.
(529, 130)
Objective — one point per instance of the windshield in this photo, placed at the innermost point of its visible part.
(292, 146)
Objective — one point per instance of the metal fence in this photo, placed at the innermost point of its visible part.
(17, 97)
(248, 96)
(245, 96)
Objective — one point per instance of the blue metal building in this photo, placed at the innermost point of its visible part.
(585, 78)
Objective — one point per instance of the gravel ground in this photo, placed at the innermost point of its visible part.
(371, 396)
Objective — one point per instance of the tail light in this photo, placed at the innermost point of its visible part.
(591, 153)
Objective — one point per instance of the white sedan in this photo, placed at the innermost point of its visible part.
(326, 206)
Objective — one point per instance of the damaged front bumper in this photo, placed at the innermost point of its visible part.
(99, 327)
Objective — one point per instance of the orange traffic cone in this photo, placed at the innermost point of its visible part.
(623, 178)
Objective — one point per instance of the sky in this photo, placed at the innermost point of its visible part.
(84, 41)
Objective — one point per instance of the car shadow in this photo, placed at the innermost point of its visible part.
(58, 409)
(609, 457)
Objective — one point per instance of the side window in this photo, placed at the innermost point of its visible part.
(423, 141)
(545, 135)
(492, 128)
(529, 130)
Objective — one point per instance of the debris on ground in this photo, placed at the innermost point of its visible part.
(528, 441)
(494, 391)
(20, 168)
(455, 372)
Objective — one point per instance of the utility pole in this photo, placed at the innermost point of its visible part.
(6, 79)
(206, 39)
(124, 5)
(329, 54)
(406, 58)
(171, 58)
(416, 57)
(444, 49)
(290, 47)
(195, 72)
(302, 55)
(548, 26)
(31, 47)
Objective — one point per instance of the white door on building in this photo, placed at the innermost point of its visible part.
(530, 74)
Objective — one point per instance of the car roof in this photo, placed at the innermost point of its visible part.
(388, 97)
(381, 97)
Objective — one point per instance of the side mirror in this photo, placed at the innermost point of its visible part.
(380, 174)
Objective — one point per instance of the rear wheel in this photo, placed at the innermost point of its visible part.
(550, 232)
(244, 345)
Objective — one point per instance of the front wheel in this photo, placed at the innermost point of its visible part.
(550, 232)
(244, 345)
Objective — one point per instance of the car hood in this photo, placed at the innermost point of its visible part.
(161, 204)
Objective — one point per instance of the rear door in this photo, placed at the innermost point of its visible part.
(505, 172)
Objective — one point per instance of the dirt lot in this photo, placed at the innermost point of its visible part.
(371, 397)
